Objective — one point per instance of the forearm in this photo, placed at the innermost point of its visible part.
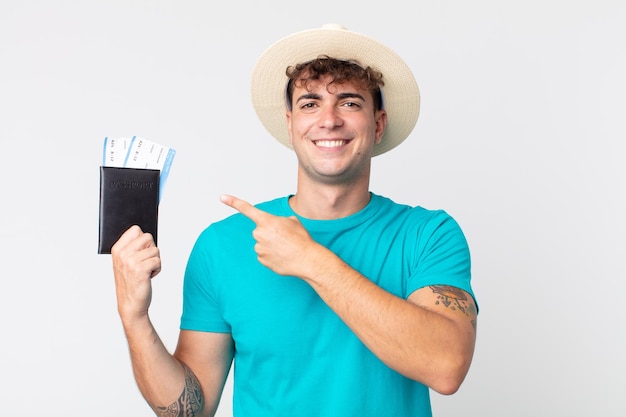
(415, 341)
(165, 383)
(169, 387)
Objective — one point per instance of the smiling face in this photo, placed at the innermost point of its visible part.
(333, 128)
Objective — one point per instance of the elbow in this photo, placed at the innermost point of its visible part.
(447, 387)
(449, 378)
(449, 369)
(443, 373)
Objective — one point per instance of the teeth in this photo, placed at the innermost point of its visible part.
(330, 143)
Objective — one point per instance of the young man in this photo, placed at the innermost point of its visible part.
(334, 301)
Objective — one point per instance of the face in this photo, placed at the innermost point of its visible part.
(333, 130)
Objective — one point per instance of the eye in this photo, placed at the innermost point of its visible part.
(307, 105)
(353, 105)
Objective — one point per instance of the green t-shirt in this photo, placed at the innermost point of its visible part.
(293, 355)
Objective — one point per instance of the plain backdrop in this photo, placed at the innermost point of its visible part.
(520, 137)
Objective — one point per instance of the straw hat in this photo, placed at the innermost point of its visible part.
(401, 97)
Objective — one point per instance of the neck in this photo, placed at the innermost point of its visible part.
(327, 202)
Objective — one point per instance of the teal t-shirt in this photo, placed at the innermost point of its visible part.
(293, 355)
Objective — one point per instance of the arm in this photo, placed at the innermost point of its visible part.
(188, 383)
(421, 338)
(210, 355)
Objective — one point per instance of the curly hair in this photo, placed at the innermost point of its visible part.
(340, 71)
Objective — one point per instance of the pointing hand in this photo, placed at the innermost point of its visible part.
(282, 243)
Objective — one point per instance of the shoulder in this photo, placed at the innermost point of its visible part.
(416, 215)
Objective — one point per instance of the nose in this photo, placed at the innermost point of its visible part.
(330, 117)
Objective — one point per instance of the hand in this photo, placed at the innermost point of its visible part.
(136, 261)
(282, 243)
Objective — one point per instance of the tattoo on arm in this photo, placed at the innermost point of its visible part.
(455, 299)
(190, 402)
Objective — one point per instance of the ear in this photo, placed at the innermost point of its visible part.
(288, 118)
(381, 123)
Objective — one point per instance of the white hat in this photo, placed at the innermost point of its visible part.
(401, 97)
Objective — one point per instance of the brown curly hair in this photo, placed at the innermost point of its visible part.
(341, 71)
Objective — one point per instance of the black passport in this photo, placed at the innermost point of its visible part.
(128, 196)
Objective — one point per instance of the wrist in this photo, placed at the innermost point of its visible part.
(134, 320)
(321, 261)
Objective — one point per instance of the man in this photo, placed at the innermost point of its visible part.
(333, 301)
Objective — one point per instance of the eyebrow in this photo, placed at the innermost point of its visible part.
(341, 96)
(309, 96)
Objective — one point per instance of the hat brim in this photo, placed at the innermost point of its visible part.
(401, 96)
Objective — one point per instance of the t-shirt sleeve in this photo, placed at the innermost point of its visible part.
(201, 309)
(441, 255)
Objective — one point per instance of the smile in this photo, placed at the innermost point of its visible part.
(330, 143)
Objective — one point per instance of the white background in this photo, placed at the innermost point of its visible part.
(520, 138)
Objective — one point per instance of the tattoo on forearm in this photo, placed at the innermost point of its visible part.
(189, 403)
(455, 299)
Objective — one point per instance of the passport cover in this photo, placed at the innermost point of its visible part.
(128, 196)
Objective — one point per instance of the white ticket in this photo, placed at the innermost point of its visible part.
(138, 152)
(115, 151)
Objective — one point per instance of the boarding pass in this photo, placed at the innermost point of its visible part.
(138, 152)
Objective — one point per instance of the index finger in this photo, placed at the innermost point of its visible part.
(244, 207)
